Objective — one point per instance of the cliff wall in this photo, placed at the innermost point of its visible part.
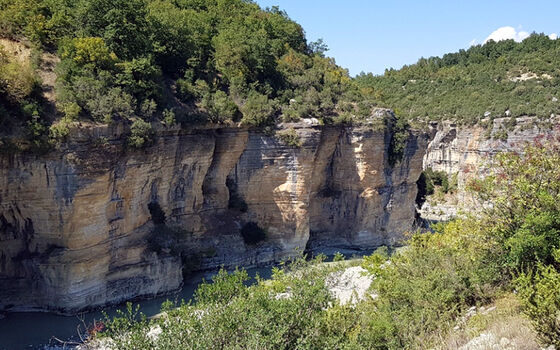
(91, 224)
(465, 152)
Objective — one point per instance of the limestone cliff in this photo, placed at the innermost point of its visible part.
(76, 229)
(468, 151)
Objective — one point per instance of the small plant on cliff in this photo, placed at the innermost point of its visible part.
(290, 138)
(252, 233)
(398, 129)
(501, 135)
(142, 134)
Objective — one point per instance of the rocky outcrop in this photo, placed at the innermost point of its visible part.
(92, 224)
(468, 151)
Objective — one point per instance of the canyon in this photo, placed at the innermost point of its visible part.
(92, 224)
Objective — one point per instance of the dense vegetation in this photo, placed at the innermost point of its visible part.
(187, 61)
(422, 290)
(522, 78)
(229, 61)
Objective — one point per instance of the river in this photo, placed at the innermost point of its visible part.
(35, 330)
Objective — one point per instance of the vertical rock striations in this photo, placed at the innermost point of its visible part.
(468, 151)
(91, 224)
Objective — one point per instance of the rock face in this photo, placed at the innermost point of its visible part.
(468, 151)
(92, 224)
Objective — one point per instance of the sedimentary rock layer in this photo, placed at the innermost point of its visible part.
(465, 152)
(93, 224)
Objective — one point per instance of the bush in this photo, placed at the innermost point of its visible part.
(59, 131)
(290, 138)
(429, 179)
(425, 287)
(223, 288)
(501, 135)
(252, 233)
(525, 213)
(541, 300)
(142, 134)
(258, 110)
(220, 107)
(168, 118)
(399, 134)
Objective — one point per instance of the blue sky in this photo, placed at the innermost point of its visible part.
(373, 35)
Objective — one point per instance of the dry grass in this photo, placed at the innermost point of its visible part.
(505, 321)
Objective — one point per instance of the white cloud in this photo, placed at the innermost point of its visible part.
(473, 42)
(505, 33)
(553, 36)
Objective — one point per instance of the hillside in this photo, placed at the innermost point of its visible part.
(187, 62)
(498, 79)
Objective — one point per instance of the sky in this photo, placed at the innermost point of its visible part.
(373, 35)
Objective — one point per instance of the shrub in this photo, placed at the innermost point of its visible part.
(430, 178)
(425, 188)
(501, 135)
(60, 130)
(17, 79)
(142, 134)
(541, 300)
(71, 110)
(524, 191)
(290, 138)
(220, 107)
(258, 110)
(425, 287)
(252, 233)
(338, 256)
(223, 288)
(168, 117)
(89, 50)
(399, 134)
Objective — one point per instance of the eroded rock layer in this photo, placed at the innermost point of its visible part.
(92, 224)
(464, 152)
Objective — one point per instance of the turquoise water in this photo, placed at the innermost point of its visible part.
(35, 330)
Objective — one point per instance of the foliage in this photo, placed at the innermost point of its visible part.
(142, 134)
(258, 110)
(229, 60)
(465, 85)
(223, 288)
(541, 296)
(338, 256)
(398, 131)
(229, 314)
(19, 97)
(59, 131)
(525, 194)
(169, 118)
(219, 106)
(424, 288)
(289, 137)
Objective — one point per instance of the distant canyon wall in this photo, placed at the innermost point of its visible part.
(465, 152)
